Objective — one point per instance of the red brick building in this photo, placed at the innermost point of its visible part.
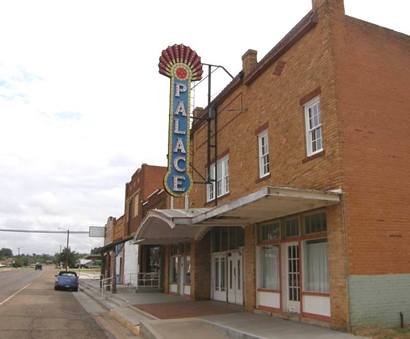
(121, 254)
(307, 216)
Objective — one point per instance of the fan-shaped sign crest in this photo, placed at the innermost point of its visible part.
(171, 59)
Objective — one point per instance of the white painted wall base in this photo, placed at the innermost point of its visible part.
(315, 304)
(268, 299)
(173, 288)
(130, 263)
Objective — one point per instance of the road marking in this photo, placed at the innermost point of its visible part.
(14, 294)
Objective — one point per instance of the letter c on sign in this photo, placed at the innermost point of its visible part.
(176, 164)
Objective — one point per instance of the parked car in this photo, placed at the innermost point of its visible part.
(66, 280)
(38, 266)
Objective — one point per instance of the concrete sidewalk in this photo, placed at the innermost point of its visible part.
(242, 324)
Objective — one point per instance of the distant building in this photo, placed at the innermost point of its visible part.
(121, 255)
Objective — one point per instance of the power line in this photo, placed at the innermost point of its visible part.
(40, 231)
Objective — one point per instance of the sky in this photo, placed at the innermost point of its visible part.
(82, 104)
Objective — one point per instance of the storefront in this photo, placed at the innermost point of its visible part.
(227, 264)
(180, 269)
(292, 265)
(276, 262)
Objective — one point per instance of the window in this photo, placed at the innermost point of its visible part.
(135, 204)
(291, 227)
(220, 270)
(269, 267)
(314, 140)
(315, 223)
(226, 238)
(316, 274)
(222, 180)
(263, 147)
(269, 231)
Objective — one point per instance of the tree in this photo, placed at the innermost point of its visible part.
(72, 257)
(6, 253)
(96, 250)
(20, 261)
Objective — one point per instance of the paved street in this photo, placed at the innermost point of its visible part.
(13, 280)
(38, 311)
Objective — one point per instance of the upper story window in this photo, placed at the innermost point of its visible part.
(263, 149)
(313, 123)
(222, 180)
(135, 204)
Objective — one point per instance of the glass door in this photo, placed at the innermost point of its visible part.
(235, 278)
(292, 276)
(219, 277)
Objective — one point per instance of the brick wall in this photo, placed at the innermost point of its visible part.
(145, 181)
(109, 229)
(119, 229)
(250, 267)
(167, 258)
(306, 67)
(274, 101)
(337, 263)
(373, 81)
(369, 306)
(201, 268)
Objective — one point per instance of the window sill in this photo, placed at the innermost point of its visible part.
(268, 309)
(269, 242)
(317, 294)
(210, 202)
(260, 289)
(314, 156)
(267, 176)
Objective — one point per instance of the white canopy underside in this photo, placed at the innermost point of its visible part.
(178, 225)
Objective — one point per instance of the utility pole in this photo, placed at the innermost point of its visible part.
(18, 250)
(66, 253)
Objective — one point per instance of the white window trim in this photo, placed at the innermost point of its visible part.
(262, 135)
(223, 176)
(259, 267)
(306, 106)
(305, 269)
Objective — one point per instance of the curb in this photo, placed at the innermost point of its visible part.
(92, 296)
(148, 332)
(233, 332)
(149, 316)
(133, 328)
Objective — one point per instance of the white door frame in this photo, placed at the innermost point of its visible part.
(291, 276)
(235, 277)
(181, 274)
(219, 276)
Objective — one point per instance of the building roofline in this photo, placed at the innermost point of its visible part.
(294, 35)
(382, 28)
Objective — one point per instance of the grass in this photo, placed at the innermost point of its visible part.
(383, 333)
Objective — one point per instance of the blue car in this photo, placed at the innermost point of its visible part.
(66, 280)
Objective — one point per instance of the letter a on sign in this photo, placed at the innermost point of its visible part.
(182, 65)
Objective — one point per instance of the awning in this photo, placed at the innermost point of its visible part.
(177, 225)
(111, 246)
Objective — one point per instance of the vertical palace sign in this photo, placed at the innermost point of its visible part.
(182, 65)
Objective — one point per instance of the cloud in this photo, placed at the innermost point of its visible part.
(67, 115)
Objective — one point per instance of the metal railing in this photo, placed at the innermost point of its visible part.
(138, 280)
(104, 283)
(149, 279)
